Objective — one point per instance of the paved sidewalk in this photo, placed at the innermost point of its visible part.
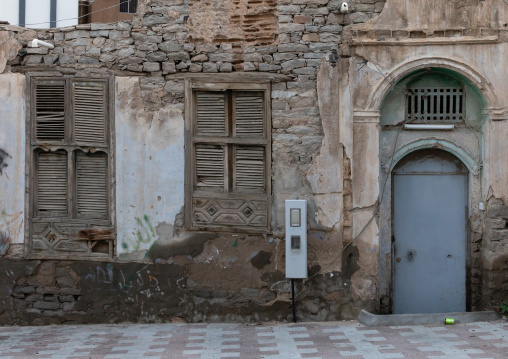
(208, 341)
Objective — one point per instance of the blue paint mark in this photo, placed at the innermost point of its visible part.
(234, 259)
(320, 236)
(158, 260)
(254, 254)
(270, 240)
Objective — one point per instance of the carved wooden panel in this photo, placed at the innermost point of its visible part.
(54, 237)
(229, 212)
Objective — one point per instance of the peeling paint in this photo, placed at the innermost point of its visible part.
(11, 225)
(3, 160)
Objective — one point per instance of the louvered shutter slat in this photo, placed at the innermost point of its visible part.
(249, 114)
(210, 166)
(52, 183)
(89, 112)
(50, 111)
(250, 168)
(91, 182)
(211, 113)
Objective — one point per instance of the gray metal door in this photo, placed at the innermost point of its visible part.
(429, 228)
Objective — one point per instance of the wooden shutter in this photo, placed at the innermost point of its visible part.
(210, 166)
(91, 184)
(52, 183)
(249, 169)
(211, 113)
(89, 111)
(249, 114)
(50, 110)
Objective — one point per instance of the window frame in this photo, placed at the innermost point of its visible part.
(132, 6)
(71, 147)
(193, 85)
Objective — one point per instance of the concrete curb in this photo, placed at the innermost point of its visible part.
(373, 320)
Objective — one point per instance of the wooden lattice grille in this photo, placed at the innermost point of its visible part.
(430, 104)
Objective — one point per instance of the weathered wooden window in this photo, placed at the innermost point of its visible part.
(128, 6)
(71, 168)
(228, 157)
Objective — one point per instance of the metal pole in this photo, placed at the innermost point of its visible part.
(293, 299)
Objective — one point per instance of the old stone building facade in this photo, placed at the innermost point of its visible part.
(144, 164)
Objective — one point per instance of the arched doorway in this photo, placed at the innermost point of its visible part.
(429, 244)
(426, 97)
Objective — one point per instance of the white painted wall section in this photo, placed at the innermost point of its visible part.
(67, 9)
(12, 159)
(37, 13)
(149, 167)
(9, 11)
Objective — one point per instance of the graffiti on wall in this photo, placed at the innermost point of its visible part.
(145, 233)
(11, 225)
(3, 160)
(104, 277)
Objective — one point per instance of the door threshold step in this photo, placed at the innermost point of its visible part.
(374, 320)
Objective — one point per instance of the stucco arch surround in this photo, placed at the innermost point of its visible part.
(472, 164)
(401, 70)
(390, 153)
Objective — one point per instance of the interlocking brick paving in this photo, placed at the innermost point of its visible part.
(267, 341)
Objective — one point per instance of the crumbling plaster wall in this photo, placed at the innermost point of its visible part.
(224, 276)
(149, 166)
(12, 162)
(9, 47)
(431, 15)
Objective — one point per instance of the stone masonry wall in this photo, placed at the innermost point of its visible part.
(245, 282)
(494, 256)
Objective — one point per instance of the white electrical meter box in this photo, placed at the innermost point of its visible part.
(296, 239)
